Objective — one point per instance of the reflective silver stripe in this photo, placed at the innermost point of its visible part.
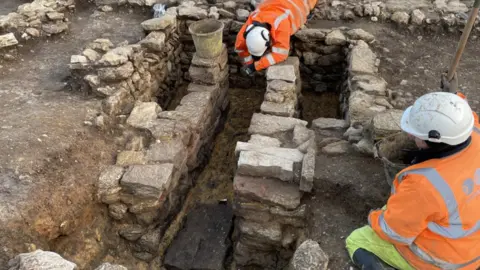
(476, 129)
(247, 59)
(307, 7)
(391, 233)
(303, 17)
(239, 51)
(280, 50)
(437, 262)
(255, 13)
(280, 18)
(454, 230)
(270, 59)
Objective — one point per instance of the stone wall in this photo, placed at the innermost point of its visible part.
(148, 184)
(435, 15)
(274, 168)
(32, 20)
(148, 71)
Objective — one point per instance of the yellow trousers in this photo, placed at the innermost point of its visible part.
(368, 239)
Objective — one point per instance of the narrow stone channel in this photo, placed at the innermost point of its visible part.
(215, 183)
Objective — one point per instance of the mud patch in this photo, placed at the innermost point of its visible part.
(315, 105)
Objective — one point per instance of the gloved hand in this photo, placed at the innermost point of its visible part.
(248, 70)
(449, 86)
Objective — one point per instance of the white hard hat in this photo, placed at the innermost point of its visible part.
(439, 117)
(257, 38)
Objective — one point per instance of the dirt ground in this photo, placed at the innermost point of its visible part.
(50, 160)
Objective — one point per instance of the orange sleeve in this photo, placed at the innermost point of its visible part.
(280, 47)
(475, 115)
(408, 211)
(241, 46)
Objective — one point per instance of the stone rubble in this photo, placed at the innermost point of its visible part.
(41, 260)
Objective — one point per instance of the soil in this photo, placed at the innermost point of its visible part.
(7, 6)
(315, 105)
(50, 160)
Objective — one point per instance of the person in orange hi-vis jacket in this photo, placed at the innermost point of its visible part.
(264, 39)
(432, 218)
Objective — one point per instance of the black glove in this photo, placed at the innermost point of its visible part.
(248, 70)
(449, 86)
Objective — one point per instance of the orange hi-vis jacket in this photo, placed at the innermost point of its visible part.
(433, 214)
(285, 18)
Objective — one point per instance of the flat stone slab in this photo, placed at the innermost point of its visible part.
(267, 190)
(362, 60)
(264, 141)
(286, 108)
(386, 123)
(161, 23)
(204, 240)
(147, 180)
(270, 124)
(168, 151)
(281, 72)
(285, 153)
(263, 165)
(270, 232)
(40, 259)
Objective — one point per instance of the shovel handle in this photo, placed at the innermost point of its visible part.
(463, 40)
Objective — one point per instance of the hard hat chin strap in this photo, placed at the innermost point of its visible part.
(258, 24)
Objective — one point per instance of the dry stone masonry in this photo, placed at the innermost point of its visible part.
(435, 15)
(274, 168)
(147, 185)
(32, 20)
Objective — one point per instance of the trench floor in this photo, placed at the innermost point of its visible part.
(215, 182)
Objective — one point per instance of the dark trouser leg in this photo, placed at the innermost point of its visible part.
(366, 260)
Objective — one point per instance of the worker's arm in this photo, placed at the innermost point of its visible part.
(280, 48)
(407, 212)
(241, 45)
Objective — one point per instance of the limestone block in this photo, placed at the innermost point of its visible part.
(267, 190)
(207, 75)
(109, 181)
(309, 256)
(117, 211)
(111, 74)
(295, 217)
(400, 17)
(310, 58)
(168, 151)
(121, 102)
(330, 127)
(263, 165)
(219, 61)
(226, 14)
(311, 35)
(339, 147)
(362, 60)
(126, 158)
(336, 37)
(264, 141)
(8, 40)
(55, 28)
(91, 55)
(418, 17)
(40, 259)
(301, 134)
(269, 124)
(361, 108)
(78, 62)
(150, 241)
(242, 14)
(132, 232)
(143, 114)
(359, 33)
(274, 97)
(55, 16)
(270, 232)
(155, 41)
(161, 23)
(191, 12)
(370, 84)
(252, 211)
(167, 129)
(284, 153)
(386, 123)
(308, 169)
(100, 44)
(281, 86)
(108, 266)
(286, 108)
(117, 56)
(147, 180)
(281, 72)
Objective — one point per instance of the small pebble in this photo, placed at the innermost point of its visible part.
(403, 82)
(374, 19)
